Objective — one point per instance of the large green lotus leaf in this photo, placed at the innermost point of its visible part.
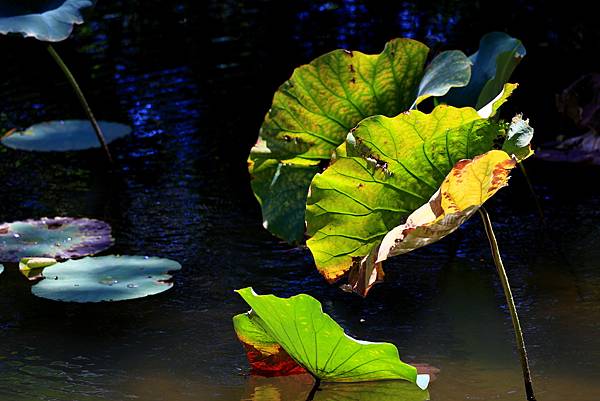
(58, 237)
(317, 343)
(311, 114)
(493, 63)
(63, 135)
(47, 20)
(447, 70)
(106, 278)
(393, 166)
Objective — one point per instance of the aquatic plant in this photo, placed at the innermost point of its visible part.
(59, 136)
(314, 110)
(395, 181)
(102, 278)
(51, 21)
(284, 336)
(58, 238)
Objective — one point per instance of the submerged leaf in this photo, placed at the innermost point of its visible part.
(64, 135)
(311, 114)
(448, 70)
(46, 20)
(106, 278)
(317, 343)
(59, 238)
(493, 63)
(393, 167)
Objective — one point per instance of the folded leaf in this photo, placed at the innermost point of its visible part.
(311, 114)
(448, 70)
(316, 342)
(493, 64)
(392, 167)
(465, 189)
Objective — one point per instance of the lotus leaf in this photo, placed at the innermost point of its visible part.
(63, 135)
(106, 278)
(32, 268)
(59, 238)
(493, 63)
(393, 167)
(47, 20)
(316, 342)
(448, 70)
(311, 114)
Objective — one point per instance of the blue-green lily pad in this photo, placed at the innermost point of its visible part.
(106, 278)
(59, 238)
(63, 135)
(47, 20)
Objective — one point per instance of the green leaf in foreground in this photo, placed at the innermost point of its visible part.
(392, 168)
(317, 343)
(311, 115)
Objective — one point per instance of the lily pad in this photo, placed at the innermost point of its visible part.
(46, 20)
(63, 135)
(59, 238)
(393, 167)
(493, 64)
(316, 342)
(311, 114)
(106, 278)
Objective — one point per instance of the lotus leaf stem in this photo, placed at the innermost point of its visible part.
(314, 389)
(511, 303)
(82, 100)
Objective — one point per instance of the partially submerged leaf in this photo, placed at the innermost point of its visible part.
(63, 135)
(311, 114)
(448, 70)
(47, 20)
(493, 63)
(59, 238)
(468, 185)
(106, 278)
(32, 268)
(317, 343)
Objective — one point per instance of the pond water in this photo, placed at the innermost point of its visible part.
(195, 79)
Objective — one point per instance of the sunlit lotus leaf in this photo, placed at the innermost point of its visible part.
(59, 238)
(448, 70)
(47, 20)
(32, 268)
(311, 114)
(493, 64)
(106, 278)
(393, 166)
(63, 135)
(519, 137)
(468, 185)
(317, 343)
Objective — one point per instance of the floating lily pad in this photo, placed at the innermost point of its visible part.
(47, 20)
(63, 135)
(106, 278)
(59, 238)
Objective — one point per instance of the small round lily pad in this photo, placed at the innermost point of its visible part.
(47, 20)
(106, 278)
(63, 135)
(59, 238)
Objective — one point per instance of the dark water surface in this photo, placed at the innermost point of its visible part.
(195, 79)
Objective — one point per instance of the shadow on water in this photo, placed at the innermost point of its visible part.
(195, 79)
